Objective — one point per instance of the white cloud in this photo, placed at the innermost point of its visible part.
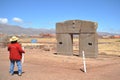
(15, 19)
(3, 20)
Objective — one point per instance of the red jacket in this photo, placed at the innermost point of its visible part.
(15, 51)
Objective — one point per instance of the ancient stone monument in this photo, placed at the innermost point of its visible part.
(86, 30)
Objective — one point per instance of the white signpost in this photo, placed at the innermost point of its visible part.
(84, 63)
(22, 56)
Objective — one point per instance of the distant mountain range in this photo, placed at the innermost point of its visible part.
(106, 34)
(13, 29)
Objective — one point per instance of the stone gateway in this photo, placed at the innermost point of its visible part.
(88, 41)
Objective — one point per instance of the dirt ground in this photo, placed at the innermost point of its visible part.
(44, 65)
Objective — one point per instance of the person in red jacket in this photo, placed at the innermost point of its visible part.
(15, 51)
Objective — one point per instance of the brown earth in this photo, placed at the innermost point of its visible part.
(44, 65)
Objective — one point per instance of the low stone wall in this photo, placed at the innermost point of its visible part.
(45, 47)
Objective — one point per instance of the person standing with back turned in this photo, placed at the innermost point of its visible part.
(15, 55)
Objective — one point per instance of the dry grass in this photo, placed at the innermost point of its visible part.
(28, 40)
(105, 46)
(109, 46)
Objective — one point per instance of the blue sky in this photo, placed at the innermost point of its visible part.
(45, 13)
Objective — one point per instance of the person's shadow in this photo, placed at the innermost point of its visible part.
(16, 72)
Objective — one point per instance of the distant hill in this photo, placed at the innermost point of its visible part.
(13, 29)
(106, 33)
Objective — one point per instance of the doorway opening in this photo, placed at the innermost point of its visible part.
(75, 43)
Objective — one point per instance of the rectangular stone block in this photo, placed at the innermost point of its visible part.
(64, 44)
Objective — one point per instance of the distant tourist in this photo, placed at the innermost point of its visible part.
(15, 51)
